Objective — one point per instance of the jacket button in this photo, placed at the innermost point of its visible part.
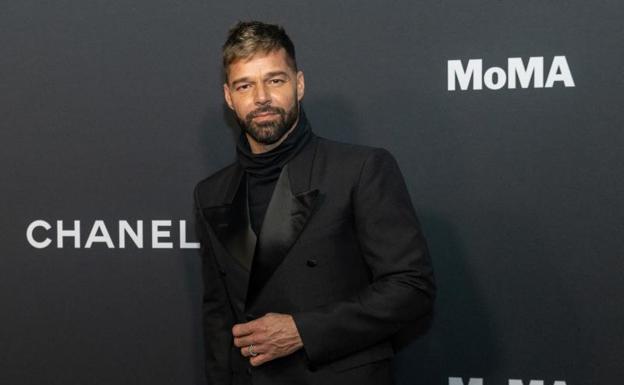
(250, 317)
(311, 262)
(222, 272)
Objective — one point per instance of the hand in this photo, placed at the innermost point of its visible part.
(272, 336)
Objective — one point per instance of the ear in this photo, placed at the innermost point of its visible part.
(228, 96)
(300, 85)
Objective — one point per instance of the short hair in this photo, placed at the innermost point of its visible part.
(248, 38)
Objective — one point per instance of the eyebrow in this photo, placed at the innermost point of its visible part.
(275, 73)
(267, 76)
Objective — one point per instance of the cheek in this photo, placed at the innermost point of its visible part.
(286, 99)
(241, 106)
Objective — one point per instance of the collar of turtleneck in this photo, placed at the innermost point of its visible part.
(270, 163)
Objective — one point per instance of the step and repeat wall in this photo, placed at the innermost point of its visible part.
(506, 118)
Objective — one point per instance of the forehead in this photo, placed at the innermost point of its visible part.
(259, 64)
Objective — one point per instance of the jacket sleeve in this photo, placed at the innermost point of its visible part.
(217, 318)
(401, 288)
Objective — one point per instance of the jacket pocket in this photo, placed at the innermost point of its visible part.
(375, 353)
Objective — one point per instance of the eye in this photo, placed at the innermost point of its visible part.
(243, 87)
(276, 81)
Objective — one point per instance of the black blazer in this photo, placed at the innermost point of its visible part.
(340, 249)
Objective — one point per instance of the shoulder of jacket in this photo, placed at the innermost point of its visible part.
(354, 152)
(218, 178)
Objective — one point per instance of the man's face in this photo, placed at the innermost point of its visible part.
(264, 93)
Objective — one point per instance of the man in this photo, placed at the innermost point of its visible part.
(313, 258)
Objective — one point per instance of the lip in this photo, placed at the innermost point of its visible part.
(264, 115)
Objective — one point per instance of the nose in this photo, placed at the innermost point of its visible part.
(262, 95)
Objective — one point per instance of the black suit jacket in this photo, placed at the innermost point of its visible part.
(340, 249)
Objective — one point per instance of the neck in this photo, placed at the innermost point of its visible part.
(260, 148)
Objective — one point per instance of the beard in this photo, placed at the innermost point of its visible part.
(270, 131)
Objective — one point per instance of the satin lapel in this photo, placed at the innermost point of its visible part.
(231, 222)
(284, 220)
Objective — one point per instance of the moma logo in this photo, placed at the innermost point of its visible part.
(479, 381)
(517, 74)
(162, 234)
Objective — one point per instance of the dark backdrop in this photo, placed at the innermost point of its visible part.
(112, 110)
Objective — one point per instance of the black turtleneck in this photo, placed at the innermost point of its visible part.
(262, 170)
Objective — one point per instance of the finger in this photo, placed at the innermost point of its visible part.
(240, 342)
(260, 359)
(256, 349)
(240, 330)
